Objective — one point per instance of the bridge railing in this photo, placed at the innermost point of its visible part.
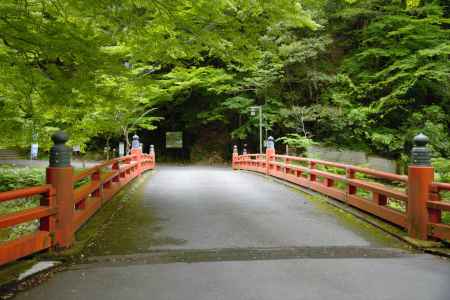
(46, 214)
(412, 202)
(436, 206)
(67, 201)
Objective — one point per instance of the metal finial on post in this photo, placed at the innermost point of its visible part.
(135, 144)
(244, 150)
(152, 149)
(270, 143)
(420, 154)
(60, 154)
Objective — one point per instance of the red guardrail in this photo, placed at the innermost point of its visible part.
(382, 194)
(69, 198)
(45, 213)
(435, 208)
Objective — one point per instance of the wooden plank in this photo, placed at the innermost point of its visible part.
(441, 231)
(26, 216)
(84, 191)
(441, 186)
(81, 216)
(85, 173)
(24, 246)
(439, 205)
(109, 176)
(329, 191)
(380, 174)
(379, 211)
(378, 188)
(23, 193)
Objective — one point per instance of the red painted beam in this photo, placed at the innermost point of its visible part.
(26, 216)
(23, 193)
(24, 246)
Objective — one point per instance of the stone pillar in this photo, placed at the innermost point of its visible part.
(60, 175)
(420, 178)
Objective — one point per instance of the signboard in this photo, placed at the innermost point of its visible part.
(174, 139)
(121, 149)
(34, 151)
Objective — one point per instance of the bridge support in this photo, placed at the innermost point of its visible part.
(60, 176)
(420, 178)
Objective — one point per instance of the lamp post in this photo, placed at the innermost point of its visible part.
(253, 110)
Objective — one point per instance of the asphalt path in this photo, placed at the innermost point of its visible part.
(237, 235)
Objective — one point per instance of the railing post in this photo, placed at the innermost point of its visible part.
(235, 158)
(95, 178)
(60, 175)
(116, 168)
(245, 162)
(152, 155)
(270, 153)
(312, 166)
(350, 174)
(137, 152)
(420, 178)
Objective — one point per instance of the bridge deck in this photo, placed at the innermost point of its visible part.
(245, 237)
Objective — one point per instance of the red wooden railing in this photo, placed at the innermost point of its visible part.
(45, 213)
(435, 207)
(370, 190)
(62, 211)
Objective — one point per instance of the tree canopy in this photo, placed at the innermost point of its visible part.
(365, 74)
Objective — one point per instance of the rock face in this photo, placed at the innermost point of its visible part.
(352, 157)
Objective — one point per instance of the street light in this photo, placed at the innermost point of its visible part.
(253, 110)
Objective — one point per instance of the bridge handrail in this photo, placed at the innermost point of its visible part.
(45, 213)
(389, 202)
(436, 206)
(81, 201)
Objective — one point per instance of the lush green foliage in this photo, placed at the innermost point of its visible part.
(14, 178)
(86, 66)
(365, 74)
(297, 141)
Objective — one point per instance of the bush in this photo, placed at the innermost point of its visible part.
(15, 178)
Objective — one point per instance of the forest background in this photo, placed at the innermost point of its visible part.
(360, 74)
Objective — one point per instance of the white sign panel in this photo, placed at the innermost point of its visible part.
(121, 149)
(34, 151)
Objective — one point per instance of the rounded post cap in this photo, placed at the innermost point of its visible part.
(270, 138)
(421, 140)
(60, 137)
(135, 137)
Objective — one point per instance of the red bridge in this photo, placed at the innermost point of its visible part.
(214, 215)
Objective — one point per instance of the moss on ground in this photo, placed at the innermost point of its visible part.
(368, 231)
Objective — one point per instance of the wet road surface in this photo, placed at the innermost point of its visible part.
(210, 233)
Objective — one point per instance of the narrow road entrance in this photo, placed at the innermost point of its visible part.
(211, 233)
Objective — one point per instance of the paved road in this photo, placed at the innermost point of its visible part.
(211, 233)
